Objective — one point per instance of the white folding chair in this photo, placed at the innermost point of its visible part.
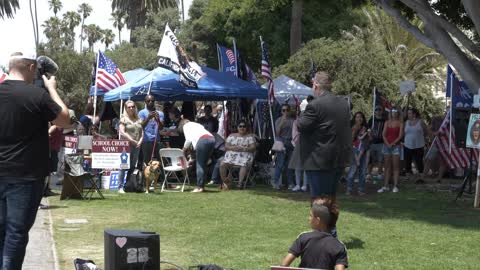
(173, 161)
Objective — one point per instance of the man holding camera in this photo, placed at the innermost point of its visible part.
(24, 152)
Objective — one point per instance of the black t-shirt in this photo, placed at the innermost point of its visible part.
(210, 124)
(25, 111)
(319, 250)
(377, 130)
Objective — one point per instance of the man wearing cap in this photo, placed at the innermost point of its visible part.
(24, 154)
(325, 138)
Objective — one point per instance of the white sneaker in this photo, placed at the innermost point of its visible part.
(383, 189)
(304, 188)
(395, 190)
(296, 188)
(276, 187)
(121, 190)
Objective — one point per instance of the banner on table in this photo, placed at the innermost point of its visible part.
(70, 144)
(110, 154)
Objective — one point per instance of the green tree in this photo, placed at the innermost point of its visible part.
(53, 31)
(151, 36)
(451, 27)
(85, 10)
(8, 8)
(55, 5)
(118, 18)
(137, 10)
(108, 37)
(93, 33)
(71, 20)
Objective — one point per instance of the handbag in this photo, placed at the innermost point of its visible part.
(278, 146)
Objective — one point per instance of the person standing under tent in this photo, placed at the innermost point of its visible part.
(283, 130)
(152, 124)
(130, 129)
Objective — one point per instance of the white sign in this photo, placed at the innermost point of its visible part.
(407, 87)
(473, 133)
(110, 154)
(476, 101)
(70, 145)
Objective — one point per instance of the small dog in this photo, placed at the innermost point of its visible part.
(151, 173)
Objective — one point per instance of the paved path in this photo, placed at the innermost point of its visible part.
(40, 254)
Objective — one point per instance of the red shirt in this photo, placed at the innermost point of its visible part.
(56, 139)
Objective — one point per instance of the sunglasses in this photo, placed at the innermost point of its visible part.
(284, 110)
(242, 126)
(149, 101)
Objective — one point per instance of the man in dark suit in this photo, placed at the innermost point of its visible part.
(325, 138)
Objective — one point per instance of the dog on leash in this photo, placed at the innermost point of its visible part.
(151, 173)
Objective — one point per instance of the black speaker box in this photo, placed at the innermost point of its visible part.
(131, 250)
(461, 116)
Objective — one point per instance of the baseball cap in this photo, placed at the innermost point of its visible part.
(29, 54)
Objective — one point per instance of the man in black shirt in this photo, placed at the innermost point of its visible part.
(24, 152)
(376, 146)
(209, 122)
(318, 248)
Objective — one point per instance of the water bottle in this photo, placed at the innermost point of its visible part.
(86, 165)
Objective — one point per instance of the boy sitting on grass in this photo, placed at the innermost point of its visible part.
(318, 248)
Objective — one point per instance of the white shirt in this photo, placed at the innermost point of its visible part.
(193, 131)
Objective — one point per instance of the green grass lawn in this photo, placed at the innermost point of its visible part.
(253, 228)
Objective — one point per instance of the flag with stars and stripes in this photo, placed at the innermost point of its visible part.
(267, 73)
(108, 75)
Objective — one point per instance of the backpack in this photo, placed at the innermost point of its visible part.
(134, 181)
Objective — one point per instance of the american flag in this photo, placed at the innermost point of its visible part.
(267, 73)
(231, 56)
(458, 157)
(109, 75)
(3, 76)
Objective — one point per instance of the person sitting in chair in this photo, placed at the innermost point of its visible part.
(240, 148)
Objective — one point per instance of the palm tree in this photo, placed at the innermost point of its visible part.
(108, 37)
(8, 8)
(84, 9)
(296, 26)
(71, 19)
(93, 33)
(55, 5)
(118, 18)
(53, 31)
(137, 10)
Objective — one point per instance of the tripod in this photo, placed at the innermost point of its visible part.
(467, 179)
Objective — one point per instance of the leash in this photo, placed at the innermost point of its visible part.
(155, 141)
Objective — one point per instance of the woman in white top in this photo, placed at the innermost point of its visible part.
(203, 142)
(130, 129)
(414, 141)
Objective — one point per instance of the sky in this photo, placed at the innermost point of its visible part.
(17, 33)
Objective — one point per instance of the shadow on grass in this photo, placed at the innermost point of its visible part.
(354, 243)
(411, 203)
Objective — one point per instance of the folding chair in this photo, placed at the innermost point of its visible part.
(75, 176)
(173, 161)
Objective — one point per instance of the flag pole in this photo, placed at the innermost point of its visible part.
(268, 99)
(220, 68)
(450, 131)
(96, 90)
(374, 101)
(235, 56)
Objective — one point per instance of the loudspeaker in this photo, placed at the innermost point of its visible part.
(461, 116)
(131, 250)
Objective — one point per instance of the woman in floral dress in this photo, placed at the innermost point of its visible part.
(240, 149)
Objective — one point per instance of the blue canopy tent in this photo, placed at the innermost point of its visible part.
(164, 85)
(286, 87)
(128, 75)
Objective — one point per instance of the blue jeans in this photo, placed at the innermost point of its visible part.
(323, 182)
(203, 152)
(361, 171)
(216, 171)
(134, 151)
(19, 201)
(281, 161)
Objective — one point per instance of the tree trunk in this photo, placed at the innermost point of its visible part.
(81, 35)
(296, 26)
(119, 36)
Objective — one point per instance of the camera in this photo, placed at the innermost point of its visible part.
(45, 66)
